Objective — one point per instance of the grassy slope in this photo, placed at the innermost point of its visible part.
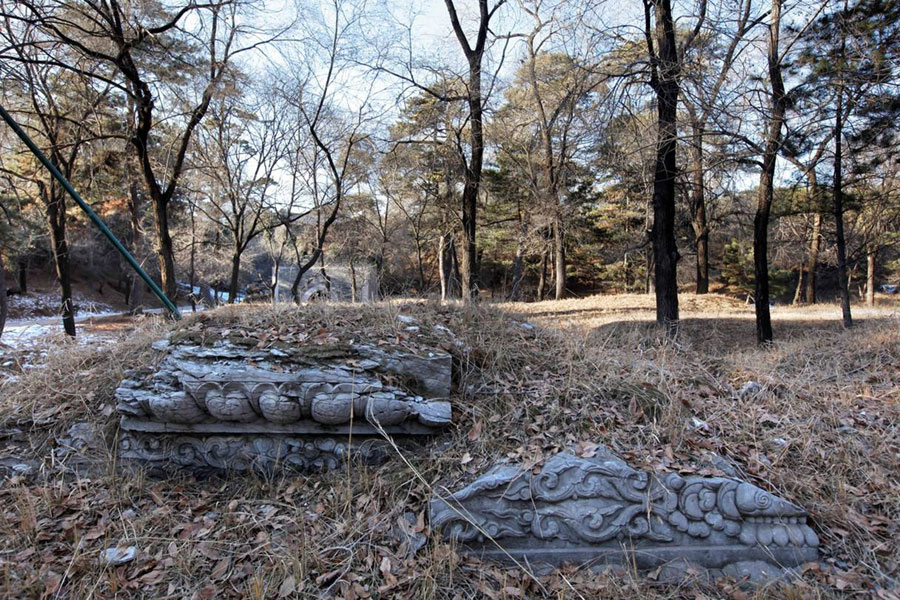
(822, 431)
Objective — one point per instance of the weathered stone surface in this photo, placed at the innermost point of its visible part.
(247, 451)
(600, 511)
(225, 384)
(269, 406)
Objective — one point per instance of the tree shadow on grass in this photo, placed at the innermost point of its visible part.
(585, 313)
(718, 335)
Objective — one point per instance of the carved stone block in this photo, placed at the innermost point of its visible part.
(247, 452)
(600, 511)
(225, 405)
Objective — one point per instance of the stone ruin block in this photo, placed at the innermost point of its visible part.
(601, 512)
(228, 406)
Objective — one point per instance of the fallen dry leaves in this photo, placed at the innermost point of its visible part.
(821, 430)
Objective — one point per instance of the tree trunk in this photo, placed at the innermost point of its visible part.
(295, 287)
(443, 266)
(559, 257)
(815, 245)
(760, 252)
(22, 277)
(870, 276)
(303, 268)
(235, 276)
(276, 267)
(352, 281)
(419, 264)
(767, 181)
(448, 266)
(474, 54)
(846, 317)
(455, 276)
(4, 300)
(193, 266)
(164, 249)
(192, 274)
(472, 183)
(56, 218)
(798, 291)
(542, 278)
(698, 210)
(663, 232)
(136, 295)
(324, 275)
(518, 272)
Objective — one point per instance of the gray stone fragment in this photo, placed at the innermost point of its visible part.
(749, 389)
(82, 436)
(724, 465)
(116, 556)
(404, 531)
(12, 466)
(434, 413)
(231, 406)
(599, 511)
(758, 572)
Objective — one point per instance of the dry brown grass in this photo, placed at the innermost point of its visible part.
(822, 431)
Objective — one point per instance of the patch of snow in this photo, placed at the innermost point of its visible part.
(35, 304)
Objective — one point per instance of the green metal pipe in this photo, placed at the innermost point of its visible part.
(90, 212)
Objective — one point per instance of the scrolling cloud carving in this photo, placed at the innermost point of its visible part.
(601, 511)
(229, 406)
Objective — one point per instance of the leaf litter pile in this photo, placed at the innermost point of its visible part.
(813, 418)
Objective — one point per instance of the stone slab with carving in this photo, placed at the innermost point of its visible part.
(223, 404)
(600, 511)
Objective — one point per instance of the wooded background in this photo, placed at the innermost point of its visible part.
(514, 149)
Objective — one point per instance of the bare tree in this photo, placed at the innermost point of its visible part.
(705, 81)
(428, 146)
(774, 123)
(4, 301)
(474, 54)
(838, 191)
(665, 70)
(329, 131)
(546, 131)
(58, 107)
(238, 151)
(136, 42)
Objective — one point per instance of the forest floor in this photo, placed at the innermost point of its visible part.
(821, 430)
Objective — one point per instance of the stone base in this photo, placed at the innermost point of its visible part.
(261, 453)
(710, 561)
